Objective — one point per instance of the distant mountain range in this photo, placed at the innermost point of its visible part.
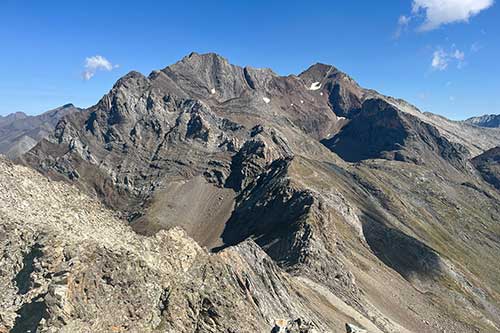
(490, 120)
(20, 132)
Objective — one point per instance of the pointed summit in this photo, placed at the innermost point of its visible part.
(205, 75)
(318, 72)
(344, 94)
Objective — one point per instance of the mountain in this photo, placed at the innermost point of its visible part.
(20, 132)
(77, 259)
(357, 204)
(12, 117)
(488, 164)
(490, 120)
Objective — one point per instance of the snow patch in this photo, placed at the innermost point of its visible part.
(266, 100)
(212, 91)
(340, 118)
(291, 104)
(301, 102)
(321, 93)
(315, 86)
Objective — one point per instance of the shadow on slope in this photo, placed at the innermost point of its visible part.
(23, 277)
(272, 213)
(373, 133)
(382, 131)
(29, 316)
(406, 255)
(488, 165)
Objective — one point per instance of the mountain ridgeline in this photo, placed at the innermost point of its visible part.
(306, 201)
(20, 132)
(490, 120)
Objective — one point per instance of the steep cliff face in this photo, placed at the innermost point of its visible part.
(358, 199)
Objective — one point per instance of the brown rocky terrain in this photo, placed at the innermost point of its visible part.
(340, 205)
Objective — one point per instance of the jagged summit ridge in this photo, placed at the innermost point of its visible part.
(490, 120)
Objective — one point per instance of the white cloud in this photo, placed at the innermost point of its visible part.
(404, 20)
(439, 12)
(441, 58)
(403, 23)
(459, 55)
(94, 64)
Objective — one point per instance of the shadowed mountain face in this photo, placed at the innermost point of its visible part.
(490, 120)
(20, 132)
(359, 198)
(380, 130)
(488, 164)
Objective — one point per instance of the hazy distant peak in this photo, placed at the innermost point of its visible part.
(489, 120)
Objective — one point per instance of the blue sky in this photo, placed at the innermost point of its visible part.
(441, 55)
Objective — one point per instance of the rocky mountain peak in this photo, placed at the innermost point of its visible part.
(209, 71)
(344, 94)
(318, 72)
(197, 59)
(130, 80)
(489, 120)
(381, 130)
(12, 117)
